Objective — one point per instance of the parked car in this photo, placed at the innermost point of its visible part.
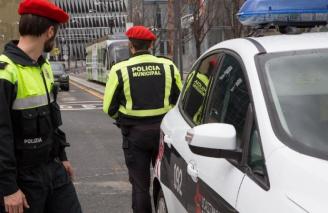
(249, 133)
(60, 76)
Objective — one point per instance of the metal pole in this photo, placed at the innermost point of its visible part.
(69, 46)
(130, 11)
(178, 40)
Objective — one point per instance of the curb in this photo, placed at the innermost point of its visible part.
(89, 85)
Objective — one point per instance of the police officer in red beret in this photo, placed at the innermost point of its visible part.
(139, 92)
(35, 175)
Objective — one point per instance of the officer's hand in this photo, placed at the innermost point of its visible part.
(68, 168)
(16, 202)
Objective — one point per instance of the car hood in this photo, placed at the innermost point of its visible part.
(302, 179)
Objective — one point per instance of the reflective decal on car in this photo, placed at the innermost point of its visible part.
(195, 197)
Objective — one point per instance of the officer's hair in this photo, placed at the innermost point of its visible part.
(140, 44)
(33, 25)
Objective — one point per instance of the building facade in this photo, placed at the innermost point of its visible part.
(155, 16)
(9, 20)
(89, 21)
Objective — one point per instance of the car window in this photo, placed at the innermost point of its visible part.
(196, 87)
(230, 98)
(255, 159)
(57, 68)
(297, 86)
(255, 156)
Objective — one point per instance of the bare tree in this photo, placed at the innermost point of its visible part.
(204, 15)
(155, 17)
(136, 12)
(170, 27)
(232, 7)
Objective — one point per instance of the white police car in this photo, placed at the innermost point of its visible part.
(250, 131)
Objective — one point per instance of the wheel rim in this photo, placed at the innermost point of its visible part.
(161, 206)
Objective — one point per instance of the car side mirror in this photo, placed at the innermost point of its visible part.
(216, 140)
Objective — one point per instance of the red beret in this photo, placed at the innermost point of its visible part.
(141, 33)
(43, 8)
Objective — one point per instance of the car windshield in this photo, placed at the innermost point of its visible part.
(298, 89)
(122, 53)
(57, 68)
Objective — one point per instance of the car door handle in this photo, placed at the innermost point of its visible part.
(168, 140)
(193, 172)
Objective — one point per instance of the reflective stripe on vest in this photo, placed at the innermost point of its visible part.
(32, 102)
(145, 113)
(31, 92)
(128, 108)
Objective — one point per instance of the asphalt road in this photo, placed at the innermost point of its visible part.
(101, 177)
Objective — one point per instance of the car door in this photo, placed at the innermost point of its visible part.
(218, 180)
(175, 126)
(253, 194)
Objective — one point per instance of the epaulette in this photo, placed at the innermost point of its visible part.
(3, 65)
(162, 56)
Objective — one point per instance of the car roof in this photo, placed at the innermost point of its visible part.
(275, 43)
(304, 41)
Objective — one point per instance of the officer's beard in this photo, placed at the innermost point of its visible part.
(49, 45)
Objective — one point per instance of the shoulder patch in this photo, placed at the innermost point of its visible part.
(3, 65)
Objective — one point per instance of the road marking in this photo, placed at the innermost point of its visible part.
(81, 109)
(71, 103)
(77, 107)
(89, 106)
(79, 102)
(81, 105)
(92, 92)
(68, 99)
(65, 107)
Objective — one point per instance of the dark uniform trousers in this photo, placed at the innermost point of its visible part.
(140, 146)
(48, 189)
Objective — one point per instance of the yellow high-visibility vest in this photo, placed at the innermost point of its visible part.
(141, 87)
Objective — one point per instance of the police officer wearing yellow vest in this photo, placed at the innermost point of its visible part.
(139, 92)
(35, 175)
(197, 87)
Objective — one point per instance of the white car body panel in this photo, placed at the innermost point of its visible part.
(298, 183)
(215, 172)
(179, 143)
(171, 201)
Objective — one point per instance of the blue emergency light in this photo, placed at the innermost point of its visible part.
(300, 13)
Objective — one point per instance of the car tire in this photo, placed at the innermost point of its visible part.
(66, 88)
(161, 203)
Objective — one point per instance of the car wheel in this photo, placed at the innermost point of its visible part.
(161, 204)
(65, 88)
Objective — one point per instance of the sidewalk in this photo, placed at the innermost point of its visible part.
(81, 79)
